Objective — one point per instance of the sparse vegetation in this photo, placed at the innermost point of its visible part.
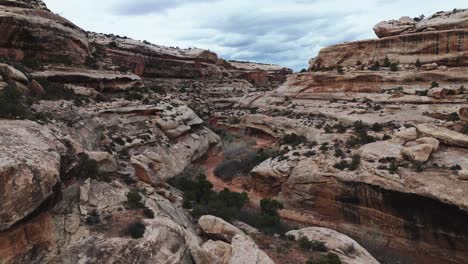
(136, 230)
(330, 258)
(434, 84)
(418, 64)
(293, 140)
(352, 166)
(148, 213)
(12, 103)
(307, 245)
(134, 199)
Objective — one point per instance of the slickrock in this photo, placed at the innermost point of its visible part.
(348, 249)
(29, 168)
(218, 229)
(458, 18)
(418, 153)
(445, 135)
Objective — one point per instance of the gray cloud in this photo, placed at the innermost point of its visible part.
(145, 7)
(286, 32)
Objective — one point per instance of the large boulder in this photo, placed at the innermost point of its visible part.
(29, 168)
(217, 228)
(418, 153)
(244, 250)
(463, 112)
(349, 250)
(394, 27)
(444, 135)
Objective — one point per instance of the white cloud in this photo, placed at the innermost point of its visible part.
(287, 32)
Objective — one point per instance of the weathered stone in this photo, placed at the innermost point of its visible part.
(244, 250)
(463, 175)
(418, 153)
(408, 134)
(429, 140)
(463, 112)
(444, 135)
(348, 249)
(36, 89)
(437, 93)
(217, 228)
(105, 161)
(29, 168)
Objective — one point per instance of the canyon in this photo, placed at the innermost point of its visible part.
(366, 151)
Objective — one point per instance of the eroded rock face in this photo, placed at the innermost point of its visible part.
(38, 35)
(440, 39)
(218, 229)
(29, 168)
(445, 135)
(458, 18)
(349, 250)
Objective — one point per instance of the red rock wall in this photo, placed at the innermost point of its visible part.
(444, 47)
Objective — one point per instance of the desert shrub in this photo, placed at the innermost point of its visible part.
(268, 224)
(12, 103)
(434, 84)
(340, 69)
(386, 137)
(148, 213)
(386, 62)
(136, 230)
(324, 147)
(465, 129)
(394, 66)
(113, 44)
(308, 245)
(330, 258)
(134, 199)
(303, 70)
(353, 165)
(338, 152)
(418, 64)
(93, 218)
(340, 128)
(453, 117)
(375, 66)
(293, 140)
(270, 206)
(86, 168)
(377, 127)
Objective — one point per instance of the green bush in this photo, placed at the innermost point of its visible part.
(353, 165)
(394, 66)
(12, 103)
(306, 245)
(377, 127)
(330, 258)
(136, 230)
(465, 129)
(134, 199)
(93, 218)
(148, 213)
(453, 117)
(293, 140)
(387, 62)
(434, 84)
(270, 206)
(418, 64)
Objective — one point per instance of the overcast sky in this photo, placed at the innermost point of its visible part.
(286, 32)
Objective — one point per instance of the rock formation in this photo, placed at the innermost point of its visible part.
(376, 151)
